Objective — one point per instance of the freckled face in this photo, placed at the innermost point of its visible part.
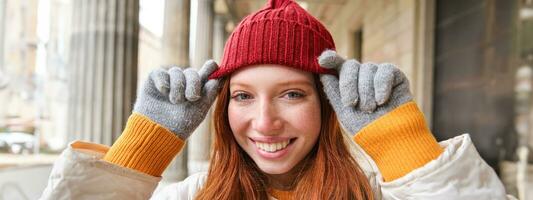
(274, 113)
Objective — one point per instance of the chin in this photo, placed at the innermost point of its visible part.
(272, 168)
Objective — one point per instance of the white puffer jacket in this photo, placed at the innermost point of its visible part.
(459, 173)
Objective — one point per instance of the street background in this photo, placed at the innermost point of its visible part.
(70, 69)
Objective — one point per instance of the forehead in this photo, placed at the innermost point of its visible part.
(271, 74)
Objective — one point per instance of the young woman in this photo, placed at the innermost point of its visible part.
(281, 95)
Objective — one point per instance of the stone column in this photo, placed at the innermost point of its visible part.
(103, 63)
(175, 42)
(423, 56)
(2, 29)
(219, 37)
(200, 141)
(53, 84)
(3, 76)
(175, 46)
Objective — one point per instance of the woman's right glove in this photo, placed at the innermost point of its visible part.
(178, 99)
(169, 107)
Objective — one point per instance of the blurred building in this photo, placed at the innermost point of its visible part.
(18, 56)
(468, 62)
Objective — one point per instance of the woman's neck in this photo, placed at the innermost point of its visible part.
(289, 180)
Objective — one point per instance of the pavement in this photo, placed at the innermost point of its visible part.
(15, 160)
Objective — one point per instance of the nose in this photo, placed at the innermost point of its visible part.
(267, 120)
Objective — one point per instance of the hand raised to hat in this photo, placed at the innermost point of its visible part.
(362, 92)
(178, 99)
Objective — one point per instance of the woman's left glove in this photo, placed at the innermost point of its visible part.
(374, 103)
(363, 92)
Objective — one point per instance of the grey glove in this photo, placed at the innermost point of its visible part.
(363, 92)
(178, 99)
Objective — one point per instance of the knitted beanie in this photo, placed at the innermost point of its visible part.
(281, 33)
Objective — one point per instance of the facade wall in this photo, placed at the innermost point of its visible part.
(388, 33)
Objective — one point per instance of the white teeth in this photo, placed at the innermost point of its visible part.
(272, 147)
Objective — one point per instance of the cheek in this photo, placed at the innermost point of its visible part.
(236, 118)
(306, 119)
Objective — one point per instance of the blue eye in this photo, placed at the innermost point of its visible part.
(294, 95)
(241, 97)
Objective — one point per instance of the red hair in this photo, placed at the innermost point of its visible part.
(332, 172)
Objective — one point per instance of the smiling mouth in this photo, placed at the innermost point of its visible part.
(273, 146)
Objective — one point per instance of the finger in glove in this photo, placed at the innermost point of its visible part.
(329, 59)
(331, 88)
(348, 82)
(192, 85)
(383, 82)
(207, 69)
(210, 91)
(366, 87)
(177, 85)
(161, 80)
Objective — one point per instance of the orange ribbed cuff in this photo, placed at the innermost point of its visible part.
(144, 146)
(399, 141)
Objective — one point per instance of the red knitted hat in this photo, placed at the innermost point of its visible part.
(281, 33)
